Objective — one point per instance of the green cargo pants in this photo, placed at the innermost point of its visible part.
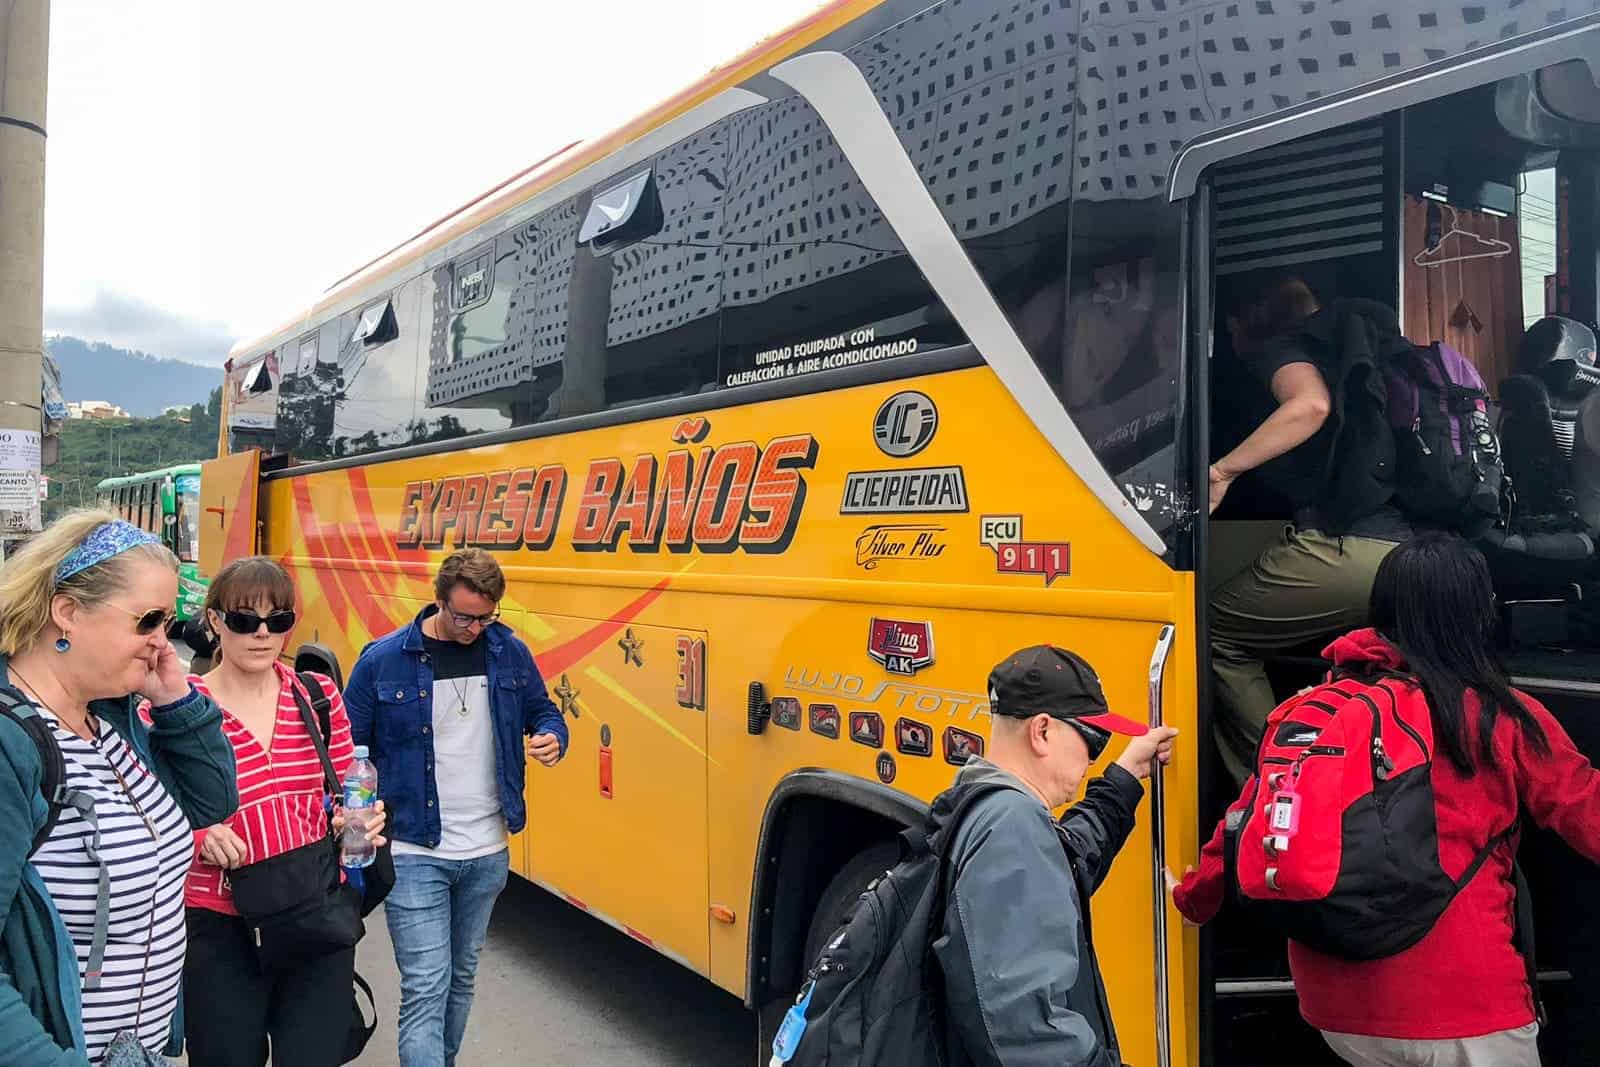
(1306, 587)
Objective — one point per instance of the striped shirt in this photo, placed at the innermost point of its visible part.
(145, 842)
(280, 788)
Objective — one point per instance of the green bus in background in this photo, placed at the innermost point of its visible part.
(166, 502)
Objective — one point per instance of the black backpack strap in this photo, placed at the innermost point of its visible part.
(317, 725)
(1522, 938)
(367, 1029)
(52, 767)
(320, 703)
(1522, 914)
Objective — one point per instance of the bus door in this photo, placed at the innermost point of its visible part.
(228, 488)
(1399, 188)
(618, 827)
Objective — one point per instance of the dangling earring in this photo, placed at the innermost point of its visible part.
(63, 644)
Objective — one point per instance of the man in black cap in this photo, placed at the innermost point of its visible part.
(1021, 985)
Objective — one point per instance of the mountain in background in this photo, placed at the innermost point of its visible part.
(138, 382)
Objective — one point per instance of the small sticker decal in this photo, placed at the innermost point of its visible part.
(825, 721)
(905, 424)
(960, 746)
(913, 738)
(902, 647)
(866, 728)
(1013, 555)
(886, 768)
(786, 713)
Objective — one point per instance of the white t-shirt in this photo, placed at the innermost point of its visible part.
(465, 772)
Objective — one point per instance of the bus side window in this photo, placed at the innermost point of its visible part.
(661, 304)
(814, 275)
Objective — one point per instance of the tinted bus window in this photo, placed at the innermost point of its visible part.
(815, 277)
(375, 400)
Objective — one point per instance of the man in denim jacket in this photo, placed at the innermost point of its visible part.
(450, 707)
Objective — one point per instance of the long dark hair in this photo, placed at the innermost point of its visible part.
(1434, 600)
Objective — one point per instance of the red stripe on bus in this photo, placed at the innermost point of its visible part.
(561, 658)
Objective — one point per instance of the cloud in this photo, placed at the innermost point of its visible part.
(128, 322)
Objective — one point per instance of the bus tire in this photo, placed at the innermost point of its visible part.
(842, 892)
(838, 897)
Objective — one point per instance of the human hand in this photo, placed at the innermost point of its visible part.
(1173, 882)
(1139, 758)
(164, 680)
(376, 819)
(546, 748)
(224, 848)
(1220, 482)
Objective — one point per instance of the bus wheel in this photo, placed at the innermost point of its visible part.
(842, 892)
(838, 897)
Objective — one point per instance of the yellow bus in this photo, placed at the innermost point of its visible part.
(887, 348)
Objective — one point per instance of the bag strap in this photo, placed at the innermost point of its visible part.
(53, 768)
(1522, 938)
(317, 725)
(367, 1029)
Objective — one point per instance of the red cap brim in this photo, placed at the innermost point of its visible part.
(1116, 724)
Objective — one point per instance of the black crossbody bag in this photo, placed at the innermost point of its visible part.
(295, 904)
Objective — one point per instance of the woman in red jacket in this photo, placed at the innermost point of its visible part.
(1432, 611)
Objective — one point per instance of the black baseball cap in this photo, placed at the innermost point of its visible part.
(1052, 681)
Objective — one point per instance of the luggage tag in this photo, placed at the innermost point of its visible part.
(787, 1042)
(1283, 819)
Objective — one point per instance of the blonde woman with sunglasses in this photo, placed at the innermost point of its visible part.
(93, 942)
(236, 1002)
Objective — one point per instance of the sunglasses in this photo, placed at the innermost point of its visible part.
(149, 621)
(1095, 738)
(248, 622)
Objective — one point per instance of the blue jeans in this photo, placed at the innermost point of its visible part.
(438, 913)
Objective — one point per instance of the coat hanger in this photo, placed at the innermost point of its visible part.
(1487, 247)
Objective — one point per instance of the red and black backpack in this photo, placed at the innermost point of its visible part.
(1338, 847)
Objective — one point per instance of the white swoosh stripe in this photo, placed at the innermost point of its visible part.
(836, 88)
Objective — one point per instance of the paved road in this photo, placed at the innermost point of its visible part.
(558, 988)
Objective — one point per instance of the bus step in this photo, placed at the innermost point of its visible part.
(1284, 987)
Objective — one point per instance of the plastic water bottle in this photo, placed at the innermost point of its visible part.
(360, 793)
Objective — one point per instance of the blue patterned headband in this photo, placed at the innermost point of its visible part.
(104, 541)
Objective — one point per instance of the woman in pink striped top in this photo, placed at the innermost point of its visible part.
(231, 1009)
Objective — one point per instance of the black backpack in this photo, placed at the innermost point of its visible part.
(1449, 469)
(872, 997)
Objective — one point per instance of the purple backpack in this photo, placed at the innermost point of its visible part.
(1448, 470)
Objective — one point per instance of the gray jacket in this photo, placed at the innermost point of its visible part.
(1022, 986)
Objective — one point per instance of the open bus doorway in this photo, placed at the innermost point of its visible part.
(1473, 215)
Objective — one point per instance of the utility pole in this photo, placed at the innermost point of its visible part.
(24, 67)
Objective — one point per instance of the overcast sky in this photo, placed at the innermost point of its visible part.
(213, 166)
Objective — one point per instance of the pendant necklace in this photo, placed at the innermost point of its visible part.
(461, 698)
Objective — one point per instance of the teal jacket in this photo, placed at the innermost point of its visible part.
(40, 997)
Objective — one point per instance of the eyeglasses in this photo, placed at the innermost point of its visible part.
(1095, 738)
(248, 622)
(149, 621)
(464, 621)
